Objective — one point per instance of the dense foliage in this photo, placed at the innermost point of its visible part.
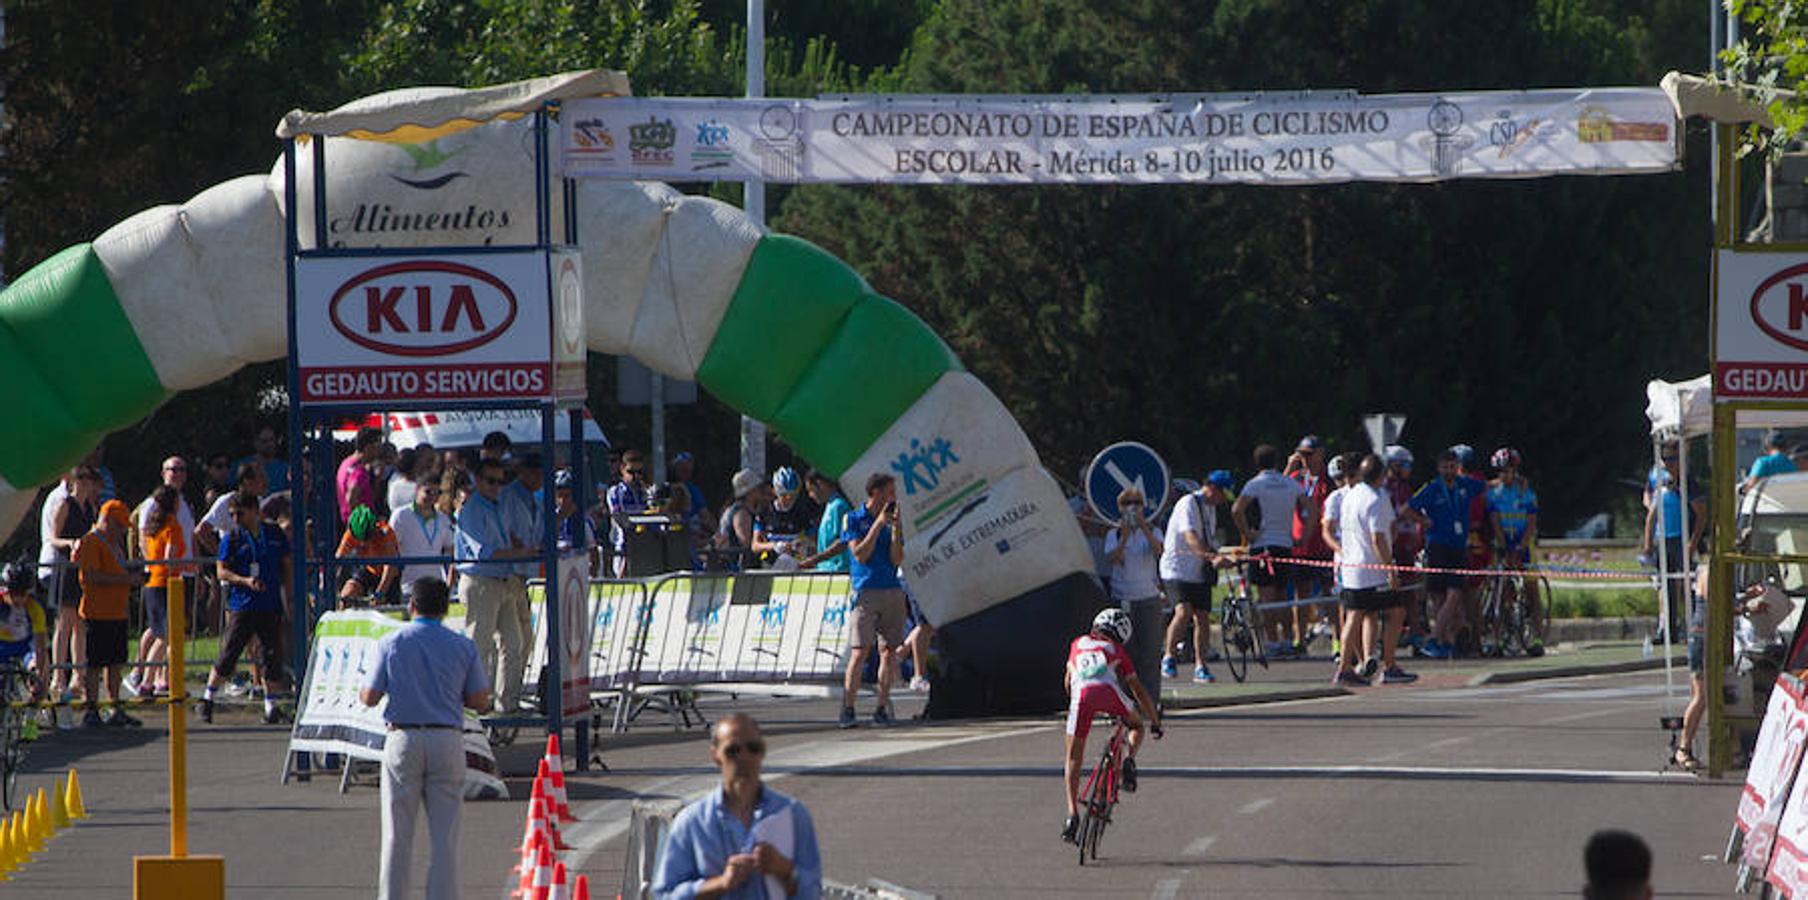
(1200, 319)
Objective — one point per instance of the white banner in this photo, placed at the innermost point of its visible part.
(1774, 761)
(1761, 334)
(329, 717)
(405, 328)
(1261, 138)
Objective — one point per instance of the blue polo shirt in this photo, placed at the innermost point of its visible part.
(1771, 464)
(481, 534)
(427, 670)
(1447, 506)
(257, 556)
(877, 573)
(834, 522)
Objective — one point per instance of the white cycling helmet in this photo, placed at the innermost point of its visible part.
(1113, 623)
(1397, 455)
(1335, 468)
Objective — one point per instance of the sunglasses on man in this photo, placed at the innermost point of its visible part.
(754, 747)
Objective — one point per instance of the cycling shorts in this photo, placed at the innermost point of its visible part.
(1094, 699)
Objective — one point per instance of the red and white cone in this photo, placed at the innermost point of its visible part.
(555, 791)
(544, 802)
(530, 857)
(580, 889)
(542, 889)
(560, 889)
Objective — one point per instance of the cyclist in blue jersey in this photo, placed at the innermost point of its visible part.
(1513, 510)
(24, 642)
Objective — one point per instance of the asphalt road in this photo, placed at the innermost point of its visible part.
(1433, 791)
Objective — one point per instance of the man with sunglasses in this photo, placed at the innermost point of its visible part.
(495, 596)
(627, 497)
(430, 675)
(421, 530)
(745, 841)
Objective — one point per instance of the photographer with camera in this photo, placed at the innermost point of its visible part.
(1133, 548)
(875, 536)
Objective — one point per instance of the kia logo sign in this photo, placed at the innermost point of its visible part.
(423, 308)
(1780, 306)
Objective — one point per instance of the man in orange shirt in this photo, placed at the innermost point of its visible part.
(367, 536)
(106, 591)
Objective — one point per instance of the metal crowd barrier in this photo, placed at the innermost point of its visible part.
(664, 636)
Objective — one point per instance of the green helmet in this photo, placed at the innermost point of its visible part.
(362, 522)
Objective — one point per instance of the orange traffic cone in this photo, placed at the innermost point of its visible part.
(560, 889)
(542, 889)
(555, 790)
(530, 857)
(545, 804)
(580, 889)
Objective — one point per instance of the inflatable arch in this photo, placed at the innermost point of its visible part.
(179, 296)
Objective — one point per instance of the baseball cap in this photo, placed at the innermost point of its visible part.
(1221, 478)
(683, 456)
(116, 512)
(745, 481)
(563, 479)
(1310, 442)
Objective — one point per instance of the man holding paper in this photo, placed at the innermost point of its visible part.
(745, 841)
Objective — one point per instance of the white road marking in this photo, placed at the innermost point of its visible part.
(1199, 847)
(600, 822)
(1256, 806)
(1447, 742)
(1166, 889)
(1592, 714)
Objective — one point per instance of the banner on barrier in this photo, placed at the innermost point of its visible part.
(1256, 138)
(749, 627)
(1774, 761)
(330, 717)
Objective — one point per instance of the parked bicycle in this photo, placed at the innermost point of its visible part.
(1240, 623)
(1508, 625)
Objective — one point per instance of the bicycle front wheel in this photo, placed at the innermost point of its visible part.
(1234, 633)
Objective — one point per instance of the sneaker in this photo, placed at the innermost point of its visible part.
(1536, 650)
(277, 716)
(919, 683)
(847, 720)
(1070, 829)
(1432, 649)
(1130, 776)
(236, 688)
(1168, 669)
(129, 687)
(1203, 675)
(1397, 675)
(91, 719)
(1346, 678)
(1369, 667)
(881, 717)
(207, 711)
(117, 718)
(1336, 648)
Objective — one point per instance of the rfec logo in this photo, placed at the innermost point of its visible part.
(650, 142)
(422, 308)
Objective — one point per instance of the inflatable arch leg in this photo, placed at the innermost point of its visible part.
(179, 296)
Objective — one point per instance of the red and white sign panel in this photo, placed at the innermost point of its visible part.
(1774, 761)
(1761, 341)
(575, 631)
(411, 328)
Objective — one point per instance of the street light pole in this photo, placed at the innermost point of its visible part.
(753, 433)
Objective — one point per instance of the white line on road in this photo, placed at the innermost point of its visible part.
(1199, 847)
(1447, 742)
(1256, 806)
(1591, 714)
(1166, 889)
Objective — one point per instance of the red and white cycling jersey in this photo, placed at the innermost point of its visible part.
(1100, 669)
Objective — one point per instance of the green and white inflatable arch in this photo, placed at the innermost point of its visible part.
(179, 296)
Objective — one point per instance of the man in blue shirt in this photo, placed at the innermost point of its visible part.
(1513, 511)
(832, 552)
(1774, 462)
(494, 594)
(875, 539)
(745, 841)
(1441, 508)
(254, 565)
(430, 675)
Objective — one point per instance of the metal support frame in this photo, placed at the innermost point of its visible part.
(313, 584)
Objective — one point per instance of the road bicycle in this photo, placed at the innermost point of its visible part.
(1099, 796)
(1507, 624)
(1240, 624)
(15, 692)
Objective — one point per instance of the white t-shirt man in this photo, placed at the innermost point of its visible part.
(1363, 513)
(1179, 562)
(1133, 577)
(1332, 518)
(418, 535)
(1276, 497)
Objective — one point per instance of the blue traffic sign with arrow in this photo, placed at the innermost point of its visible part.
(1122, 465)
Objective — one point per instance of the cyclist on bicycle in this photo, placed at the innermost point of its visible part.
(1513, 511)
(23, 637)
(1099, 672)
(368, 536)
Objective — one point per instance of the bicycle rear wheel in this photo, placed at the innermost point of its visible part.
(1491, 630)
(12, 750)
(1234, 632)
(1096, 831)
(1515, 638)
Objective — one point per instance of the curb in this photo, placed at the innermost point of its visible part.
(1638, 665)
(1211, 702)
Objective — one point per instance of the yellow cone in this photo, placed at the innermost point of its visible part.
(73, 802)
(45, 826)
(8, 859)
(15, 830)
(59, 816)
(34, 838)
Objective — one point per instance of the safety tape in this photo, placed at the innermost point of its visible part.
(1269, 561)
